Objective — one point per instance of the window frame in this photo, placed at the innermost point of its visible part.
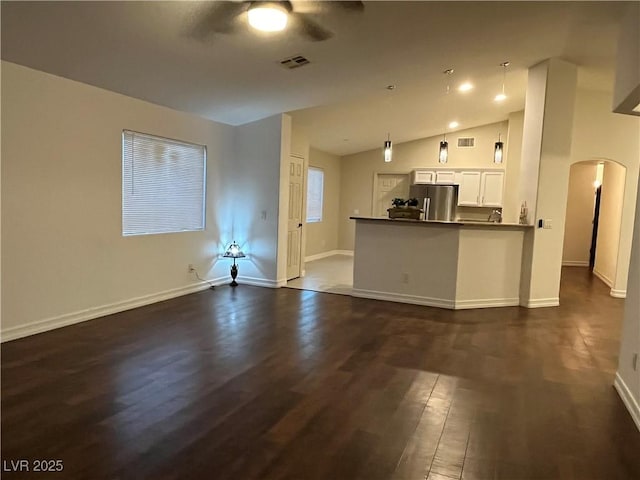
(129, 135)
(319, 218)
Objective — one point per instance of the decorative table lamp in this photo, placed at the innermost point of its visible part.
(233, 251)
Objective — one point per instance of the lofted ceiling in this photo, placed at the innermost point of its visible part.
(148, 50)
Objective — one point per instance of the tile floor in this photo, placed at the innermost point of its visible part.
(332, 274)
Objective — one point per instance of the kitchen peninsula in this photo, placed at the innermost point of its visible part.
(454, 265)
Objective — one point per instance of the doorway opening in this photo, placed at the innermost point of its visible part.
(593, 218)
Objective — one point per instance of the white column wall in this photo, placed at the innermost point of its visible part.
(553, 107)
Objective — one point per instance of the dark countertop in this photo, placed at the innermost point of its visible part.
(442, 222)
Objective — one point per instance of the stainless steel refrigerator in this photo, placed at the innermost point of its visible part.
(439, 201)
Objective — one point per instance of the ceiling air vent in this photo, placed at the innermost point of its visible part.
(294, 62)
(466, 142)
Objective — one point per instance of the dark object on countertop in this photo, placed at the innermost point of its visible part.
(496, 216)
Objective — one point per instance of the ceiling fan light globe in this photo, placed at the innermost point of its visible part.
(268, 18)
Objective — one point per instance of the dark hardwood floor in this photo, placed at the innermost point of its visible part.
(259, 383)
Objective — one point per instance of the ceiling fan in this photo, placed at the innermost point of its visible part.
(269, 16)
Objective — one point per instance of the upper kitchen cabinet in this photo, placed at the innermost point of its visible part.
(446, 176)
(423, 176)
(469, 189)
(491, 189)
(480, 189)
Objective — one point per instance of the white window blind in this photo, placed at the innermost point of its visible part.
(315, 187)
(163, 185)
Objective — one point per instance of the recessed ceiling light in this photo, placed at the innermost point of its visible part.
(465, 87)
(500, 97)
(453, 124)
(268, 17)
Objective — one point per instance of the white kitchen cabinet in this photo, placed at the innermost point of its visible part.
(446, 176)
(423, 176)
(469, 188)
(491, 187)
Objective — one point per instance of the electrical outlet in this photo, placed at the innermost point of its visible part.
(191, 268)
(405, 277)
(634, 362)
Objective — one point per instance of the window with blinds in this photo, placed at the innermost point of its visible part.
(163, 185)
(315, 187)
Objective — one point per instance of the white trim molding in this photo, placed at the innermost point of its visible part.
(603, 277)
(436, 302)
(261, 282)
(540, 302)
(618, 293)
(39, 326)
(403, 298)
(330, 253)
(575, 263)
(627, 398)
(487, 303)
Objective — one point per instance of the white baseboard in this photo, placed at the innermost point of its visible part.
(575, 263)
(603, 277)
(330, 253)
(402, 298)
(540, 302)
(261, 282)
(487, 303)
(627, 398)
(13, 333)
(618, 293)
(436, 302)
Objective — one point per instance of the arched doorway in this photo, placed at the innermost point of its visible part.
(593, 218)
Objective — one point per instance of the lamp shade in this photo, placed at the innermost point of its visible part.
(388, 151)
(443, 155)
(233, 251)
(498, 152)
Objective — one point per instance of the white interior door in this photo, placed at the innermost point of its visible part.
(294, 226)
(388, 187)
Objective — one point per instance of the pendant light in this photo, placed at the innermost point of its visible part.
(502, 96)
(387, 150)
(443, 152)
(498, 151)
(443, 155)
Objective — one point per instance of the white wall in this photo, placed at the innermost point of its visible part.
(627, 84)
(628, 80)
(323, 236)
(599, 134)
(359, 170)
(254, 198)
(551, 95)
(579, 219)
(609, 222)
(627, 379)
(64, 257)
(513, 146)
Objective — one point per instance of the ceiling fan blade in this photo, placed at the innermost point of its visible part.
(218, 17)
(307, 27)
(348, 5)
